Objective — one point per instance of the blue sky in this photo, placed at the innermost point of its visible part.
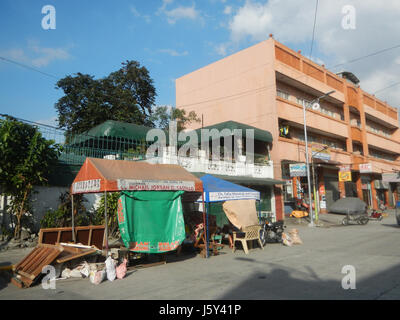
(171, 38)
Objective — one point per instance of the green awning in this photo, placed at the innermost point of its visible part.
(261, 135)
(119, 129)
(244, 180)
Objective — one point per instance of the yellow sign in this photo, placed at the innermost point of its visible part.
(344, 175)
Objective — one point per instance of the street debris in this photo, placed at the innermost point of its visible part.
(294, 235)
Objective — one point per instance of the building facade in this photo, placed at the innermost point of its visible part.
(351, 131)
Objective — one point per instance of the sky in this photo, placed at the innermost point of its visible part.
(174, 37)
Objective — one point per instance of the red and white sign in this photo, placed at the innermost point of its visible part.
(365, 167)
(345, 168)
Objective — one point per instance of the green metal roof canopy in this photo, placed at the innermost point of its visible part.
(261, 135)
(119, 129)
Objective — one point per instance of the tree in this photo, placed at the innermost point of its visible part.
(162, 116)
(26, 161)
(125, 95)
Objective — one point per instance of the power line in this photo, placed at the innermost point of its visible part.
(391, 86)
(28, 67)
(313, 33)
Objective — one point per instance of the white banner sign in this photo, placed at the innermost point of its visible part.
(162, 185)
(365, 167)
(86, 186)
(225, 196)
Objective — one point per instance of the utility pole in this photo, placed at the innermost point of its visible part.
(315, 101)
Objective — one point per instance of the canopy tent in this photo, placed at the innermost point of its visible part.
(218, 190)
(102, 175)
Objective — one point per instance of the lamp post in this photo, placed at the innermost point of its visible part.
(311, 224)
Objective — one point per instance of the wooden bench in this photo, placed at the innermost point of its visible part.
(248, 233)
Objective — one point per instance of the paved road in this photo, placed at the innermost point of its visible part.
(308, 271)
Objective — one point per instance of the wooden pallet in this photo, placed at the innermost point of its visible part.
(71, 253)
(31, 266)
(87, 235)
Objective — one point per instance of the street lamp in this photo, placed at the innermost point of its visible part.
(307, 161)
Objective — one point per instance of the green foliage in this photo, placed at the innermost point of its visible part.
(62, 216)
(163, 115)
(125, 95)
(26, 161)
(112, 207)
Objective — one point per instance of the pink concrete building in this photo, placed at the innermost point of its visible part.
(266, 86)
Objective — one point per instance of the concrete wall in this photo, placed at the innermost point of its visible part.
(44, 199)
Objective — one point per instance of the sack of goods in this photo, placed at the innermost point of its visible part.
(286, 240)
(294, 235)
(121, 269)
(110, 267)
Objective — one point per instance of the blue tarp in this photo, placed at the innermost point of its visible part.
(217, 190)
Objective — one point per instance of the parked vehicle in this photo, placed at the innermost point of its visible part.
(398, 212)
(271, 232)
(354, 209)
(357, 218)
(375, 215)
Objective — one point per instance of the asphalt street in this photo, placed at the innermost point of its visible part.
(309, 271)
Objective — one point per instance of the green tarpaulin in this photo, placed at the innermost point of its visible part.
(151, 221)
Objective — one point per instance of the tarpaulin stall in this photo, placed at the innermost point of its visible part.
(218, 190)
(134, 179)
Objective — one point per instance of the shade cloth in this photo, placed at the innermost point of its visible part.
(241, 213)
(151, 221)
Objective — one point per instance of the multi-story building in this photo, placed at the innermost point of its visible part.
(267, 85)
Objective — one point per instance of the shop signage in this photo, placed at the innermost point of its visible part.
(162, 185)
(317, 153)
(224, 196)
(298, 170)
(365, 167)
(344, 176)
(391, 177)
(86, 186)
(345, 168)
(322, 190)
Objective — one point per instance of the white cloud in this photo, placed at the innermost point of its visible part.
(36, 55)
(291, 22)
(228, 10)
(181, 13)
(137, 14)
(222, 49)
(173, 52)
(178, 13)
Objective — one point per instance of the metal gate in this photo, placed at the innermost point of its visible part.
(331, 189)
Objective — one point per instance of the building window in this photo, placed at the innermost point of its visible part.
(283, 94)
(303, 102)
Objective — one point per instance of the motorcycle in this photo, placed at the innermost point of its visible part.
(375, 215)
(271, 232)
